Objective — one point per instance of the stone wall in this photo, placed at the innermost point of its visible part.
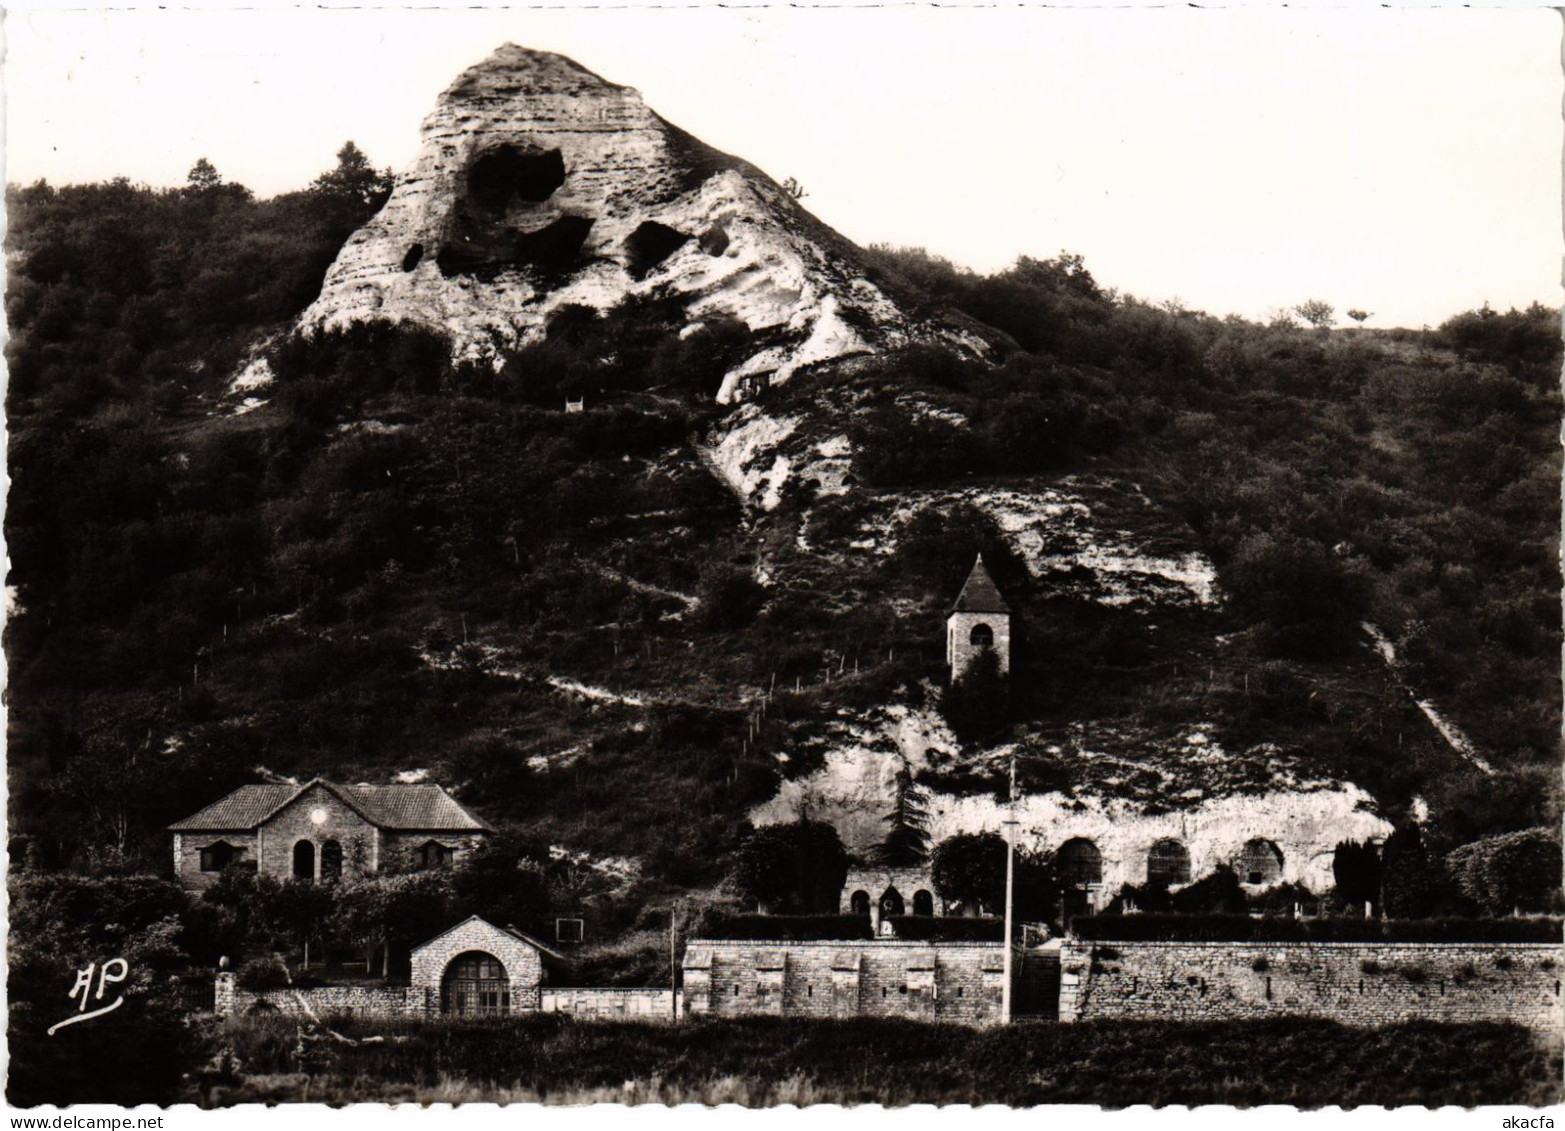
(1356, 983)
(613, 1002)
(399, 851)
(960, 649)
(294, 822)
(187, 856)
(319, 1001)
(881, 978)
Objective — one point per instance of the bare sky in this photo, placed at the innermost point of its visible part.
(1405, 162)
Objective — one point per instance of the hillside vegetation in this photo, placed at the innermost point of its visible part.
(398, 563)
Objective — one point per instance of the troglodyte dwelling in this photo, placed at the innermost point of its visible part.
(324, 831)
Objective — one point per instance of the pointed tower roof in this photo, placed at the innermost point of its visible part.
(980, 594)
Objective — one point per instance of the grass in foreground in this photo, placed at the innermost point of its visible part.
(765, 1061)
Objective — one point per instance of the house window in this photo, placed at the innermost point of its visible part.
(1168, 863)
(982, 636)
(434, 855)
(475, 985)
(304, 860)
(568, 930)
(216, 857)
(331, 861)
(1081, 863)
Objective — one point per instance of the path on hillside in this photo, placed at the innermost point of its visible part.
(1453, 734)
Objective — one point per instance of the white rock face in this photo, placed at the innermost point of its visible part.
(539, 184)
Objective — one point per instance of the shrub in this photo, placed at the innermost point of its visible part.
(788, 928)
(266, 972)
(1216, 928)
(925, 928)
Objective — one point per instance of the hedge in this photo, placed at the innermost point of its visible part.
(947, 929)
(789, 928)
(1243, 928)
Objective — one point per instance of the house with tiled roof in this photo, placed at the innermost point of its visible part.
(324, 831)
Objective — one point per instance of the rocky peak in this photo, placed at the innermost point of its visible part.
(540, 185)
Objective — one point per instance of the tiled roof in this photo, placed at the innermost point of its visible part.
(422, 806)
(980, 594)
(244, 808)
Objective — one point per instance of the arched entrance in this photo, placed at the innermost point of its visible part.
(891, 903)
(475, 985)
(331, 861)
(304, 860)
(923, 903)
(858, 903)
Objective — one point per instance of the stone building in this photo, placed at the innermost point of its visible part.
(883, 893)
(324, 831)
(980, 620)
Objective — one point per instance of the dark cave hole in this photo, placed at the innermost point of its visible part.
(410, 260)
(714, 241)
(551, 250)
(650, 244)
(507, 173)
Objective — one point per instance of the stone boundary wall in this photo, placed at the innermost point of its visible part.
(1358, 983)
(610, 1002)
(321, 1001)
(946, 981)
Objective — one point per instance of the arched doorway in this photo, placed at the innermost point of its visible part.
(891, 903)
(1080, 867)
(858, 903)
(331, 860)
(304, 860)
(923, 903)
(982, 636)
(475, 985)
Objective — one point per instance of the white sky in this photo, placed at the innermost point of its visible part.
(1405, 162)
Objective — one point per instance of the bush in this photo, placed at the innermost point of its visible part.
(788, 928)
(927, 928)
(1243, 928)
(266, 972)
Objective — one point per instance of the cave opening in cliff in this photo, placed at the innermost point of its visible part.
(554, 248)
(411, 259)
(714, 241)
(650, 244)
(507, 175)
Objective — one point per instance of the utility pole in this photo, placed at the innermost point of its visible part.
(673, 958)
(1010, 890)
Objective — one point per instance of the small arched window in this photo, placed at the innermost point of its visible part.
(1260, 862)
(434, 855)
(304, 860)
(982, 636)
(1168, 863)
(923, 903)
(1080, 863)
(331, 861)
(858, 903)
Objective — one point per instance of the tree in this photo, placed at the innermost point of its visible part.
(203, 175)
(793, 188)
(799, 866)
(970, 868)
(354, 180)
(907, 841)
(1516, 872)
(1316, 312)
(1360, 316)
(1415, 883)
(976, 703)
(1356, 868)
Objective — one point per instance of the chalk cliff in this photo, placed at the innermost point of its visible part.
(539, 185)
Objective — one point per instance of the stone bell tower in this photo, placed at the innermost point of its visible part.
(980, 619)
